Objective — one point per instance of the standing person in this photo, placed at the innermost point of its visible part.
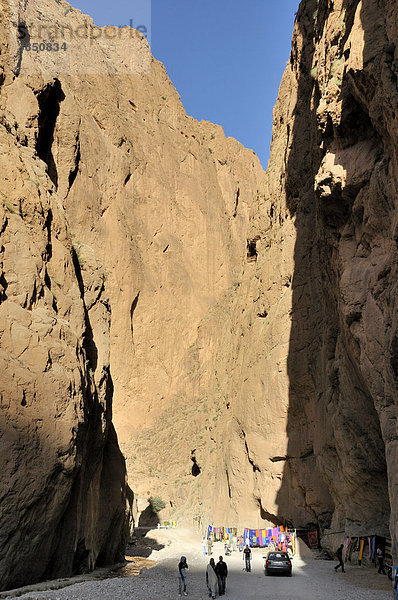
(380, 559)
(209, 546)
(222, 573)
(211, 578)
(247, 556)
(182, 577)
(234, 542)
(204, 546)
(339, 554)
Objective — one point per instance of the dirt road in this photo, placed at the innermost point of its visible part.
(311, 580)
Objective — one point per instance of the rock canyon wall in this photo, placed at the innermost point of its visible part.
(340, 187)
(63, 478)
(306, 360)
(242, 325)
(285, 401)
(310, 433)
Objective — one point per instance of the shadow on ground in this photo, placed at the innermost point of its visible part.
(141, 545)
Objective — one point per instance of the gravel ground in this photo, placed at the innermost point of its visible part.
(311, 580)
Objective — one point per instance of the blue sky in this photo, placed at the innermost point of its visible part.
(226, 58)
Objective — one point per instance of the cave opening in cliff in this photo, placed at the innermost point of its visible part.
(49, 100)
(252, 250)
(195, 467)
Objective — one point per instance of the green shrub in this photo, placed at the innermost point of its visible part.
(157, 504)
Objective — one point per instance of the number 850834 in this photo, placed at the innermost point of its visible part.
(45, 47)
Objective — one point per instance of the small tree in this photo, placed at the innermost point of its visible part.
(157, 504)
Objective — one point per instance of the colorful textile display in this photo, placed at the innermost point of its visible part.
(279, 536)
(361, 547)
(358, 544)
(346, 548)
(372, 547)
(221, 534)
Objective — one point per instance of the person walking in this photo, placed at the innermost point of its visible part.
(204, 546)
(339, 555)
(222, 574)
(234, 543)
(211, 578)
(380, 559)
(182, 577)
(209, 546)
(247, 556)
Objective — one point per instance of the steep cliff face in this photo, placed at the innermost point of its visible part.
(314, 400)
(295, 363)
(252, 318)
(141, 216)
(163, 203)
(312, 371)
(63, 477)
(341, 189)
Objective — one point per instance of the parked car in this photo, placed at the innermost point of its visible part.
(278, 562)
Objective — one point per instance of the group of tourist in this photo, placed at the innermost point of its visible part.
(216, 574)
(231, 546)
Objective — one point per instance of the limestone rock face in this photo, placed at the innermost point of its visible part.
(161, 205)
(315, 393)
(285, 400)
(244, 323)
(306, 363)
(289, 386)
(63, 477)
(339, 126)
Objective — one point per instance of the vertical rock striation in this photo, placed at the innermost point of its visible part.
(311, 432)
(309, 352)
(341, 190)
(243, 323)
(63, 478)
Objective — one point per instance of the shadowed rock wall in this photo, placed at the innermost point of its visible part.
(341, 189)
(311, 433)
(252, 317)
(63, 478)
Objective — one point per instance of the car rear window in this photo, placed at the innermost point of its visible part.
(274, 555)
